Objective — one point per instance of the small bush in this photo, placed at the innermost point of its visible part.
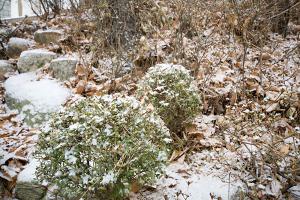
(172, 92)
(98, 147)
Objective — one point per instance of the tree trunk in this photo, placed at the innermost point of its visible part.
(20, 7)
(282, 17)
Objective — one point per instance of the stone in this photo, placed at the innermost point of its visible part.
(295, 191)
(4, 31)
(26, 186)
(64, 67)
(2, 188)
(31, 60)
(5, 67)
(47, 36)
(16, 46)
(35, 98)
(30, 191)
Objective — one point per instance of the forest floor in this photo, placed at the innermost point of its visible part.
(245, 143)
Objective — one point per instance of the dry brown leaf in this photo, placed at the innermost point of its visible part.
(233, 98)
(80, 70)
(265, 56)
(80, 87)
(135, 187)
(191, 128)
(175, 155)
(284, 150)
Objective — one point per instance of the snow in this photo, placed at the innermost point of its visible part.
(20, 41)
(203, 186)
(65, 58)
(49, 31)
(28, 174)
(45, 95)
(37, 52)
(182, 181)
(221, 74)
(108, 178)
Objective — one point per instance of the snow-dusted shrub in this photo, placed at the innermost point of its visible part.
(172, 92)
(98, 147)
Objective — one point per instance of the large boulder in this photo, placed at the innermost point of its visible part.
(47, 36)
(16, 46)
(33, 59)
(5, 67)
(34, 98)
(64, 67)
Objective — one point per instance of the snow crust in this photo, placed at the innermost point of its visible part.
(44, 95)
(181, 182)
(37, 52)
(49, 31)
(28, 174)
(19, 41)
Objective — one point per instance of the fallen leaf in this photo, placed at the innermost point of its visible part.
(80, 87)
(135, 186)
(284, 150)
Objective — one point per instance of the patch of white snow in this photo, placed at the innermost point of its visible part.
(44, 95)
(28, 174)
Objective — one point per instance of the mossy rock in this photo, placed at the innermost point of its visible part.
(30, 191)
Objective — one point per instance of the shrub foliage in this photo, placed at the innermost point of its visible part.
(172, 92)
(98, 147)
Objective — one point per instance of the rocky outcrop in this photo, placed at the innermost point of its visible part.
(64, 67)
(47, 36)
(16, 46)
(33, 59)
(5, 67)
(34, 98)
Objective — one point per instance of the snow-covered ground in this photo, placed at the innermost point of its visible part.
(183, 182)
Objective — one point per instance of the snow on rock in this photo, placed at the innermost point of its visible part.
(47, 36)
(16, 46)
(28, 173)
(33, 59)
(63, 67)
(34, 98)
(295, 191)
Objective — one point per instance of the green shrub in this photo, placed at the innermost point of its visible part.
(172, 92)
(98, 147)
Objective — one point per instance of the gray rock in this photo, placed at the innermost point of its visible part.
(33, 59)
(34, 98)
(4, 31)
(295, 192)
(2, 188)
(16, 46)
(64, 67)
(5, 67)
(47, 36)
(30, 191)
